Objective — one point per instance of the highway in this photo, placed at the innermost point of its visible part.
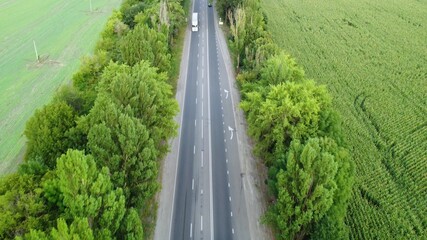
(208, 200)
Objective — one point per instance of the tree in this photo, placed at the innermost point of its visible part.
(123, 144)
(87, 193)
(46, 132)
(238, 24)
(143, 43)
(258, 51)
(224, 6)
(306, 188)
(129, 126)
(143, 93)
(33, 235)
(112, 32)
(79, 229)
(131, 227)
(21, 205)
(282, 113)
(281, 68)
(130, 13)
(165, 17)
(87, 77)
(332, 225)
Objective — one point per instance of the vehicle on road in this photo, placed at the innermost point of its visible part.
(195, 22)
(210, 3)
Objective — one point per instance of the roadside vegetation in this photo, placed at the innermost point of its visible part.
(93, 153)
(372, 57)
(296, 129)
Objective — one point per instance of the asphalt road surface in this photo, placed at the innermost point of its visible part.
(208, 198)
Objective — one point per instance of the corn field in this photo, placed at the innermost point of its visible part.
(372, 55)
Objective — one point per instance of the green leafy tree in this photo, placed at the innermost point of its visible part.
(281, 68)
(132, 226)
(175, 18)
(130, 13)
(143, 43)
(34, 167)
(46, 132)
(332, 225)
(112, 32)
(129, 126)
(285, 112)
(87, 77)
(33, 235)
(165, 17)
(123, 144)
(143, 93)
(21, 205)
(238, 24)
(79, 229)
(88, 193)
(69, 94)
(224, 6)
(258, 51)
(306, 188)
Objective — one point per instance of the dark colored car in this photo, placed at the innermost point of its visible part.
(209, 4)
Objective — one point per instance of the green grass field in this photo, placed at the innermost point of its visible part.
(372, 55)
(64, 31)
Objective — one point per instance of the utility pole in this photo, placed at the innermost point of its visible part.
(35, 49)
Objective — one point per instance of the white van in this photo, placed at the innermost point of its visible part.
(195, 22)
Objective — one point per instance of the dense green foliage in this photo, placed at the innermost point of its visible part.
(127, 127)
(288, 111)
(93, 152)
(312, 186)
(372, 57)
(297, 133)
(47, 132)
(145, 43)
(22, 205)
(80, 190)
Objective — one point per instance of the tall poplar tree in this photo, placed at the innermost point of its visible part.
(86, 192)
(311, 187)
